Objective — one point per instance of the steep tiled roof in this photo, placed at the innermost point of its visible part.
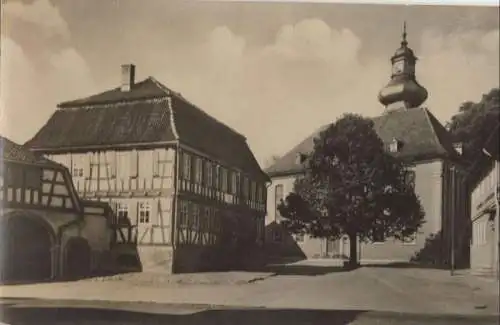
(420, 133)
(149, 113)
(11, 151)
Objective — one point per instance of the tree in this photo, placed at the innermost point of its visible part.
(474, 123)
(352, 186)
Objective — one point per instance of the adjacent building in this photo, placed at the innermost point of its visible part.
(413, 133)
(484, 187)
(185, 187)
(47, 231)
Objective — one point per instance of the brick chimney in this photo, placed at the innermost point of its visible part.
(128, 77)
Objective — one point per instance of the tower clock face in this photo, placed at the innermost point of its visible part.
(398, 67)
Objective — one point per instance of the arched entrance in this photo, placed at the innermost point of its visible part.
(26, 255)
(77, 258)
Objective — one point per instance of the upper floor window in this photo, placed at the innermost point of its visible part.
(198, 170)
(394, 146)
(223, 172)
(253, 191)
(186, 166)
(144, 212)
(278, 196)
(160, 164)
(234, 182)
(245, 187)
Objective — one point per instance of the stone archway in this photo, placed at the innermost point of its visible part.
(27, 253)
(77, 258)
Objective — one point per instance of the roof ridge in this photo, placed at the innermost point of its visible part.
(179, 96)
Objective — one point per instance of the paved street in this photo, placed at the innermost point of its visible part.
(298, 294)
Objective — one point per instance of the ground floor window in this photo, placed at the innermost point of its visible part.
(144, 212)
(121, 212)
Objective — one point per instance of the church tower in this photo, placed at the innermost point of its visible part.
(403, 91)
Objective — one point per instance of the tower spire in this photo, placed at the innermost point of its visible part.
(403, 91)
(404, 42)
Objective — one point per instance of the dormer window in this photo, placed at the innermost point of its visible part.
(300, 158)
(395, 145)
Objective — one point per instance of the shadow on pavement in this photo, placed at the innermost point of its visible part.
(50, 315)
(18, 315)
(408, 265)
(306, 270)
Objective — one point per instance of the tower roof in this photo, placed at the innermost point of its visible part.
(403, 90)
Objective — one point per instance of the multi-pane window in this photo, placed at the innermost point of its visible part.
(278, 196)
(183, 214)
(144, 212)
(253, 191)
(122, 212)
(195, 209)
(208, 174)
(186, 166)
(160, 164)
(234, 182)
(245, 187)
(198, 170)
(77, 171)
(223, 180)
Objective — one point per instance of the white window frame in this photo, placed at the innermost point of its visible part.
(144, 213)
(121, 211)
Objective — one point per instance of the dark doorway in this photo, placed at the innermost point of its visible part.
(26, 256)
(78, 259)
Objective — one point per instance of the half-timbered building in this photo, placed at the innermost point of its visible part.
(47, 231)
(183, 185)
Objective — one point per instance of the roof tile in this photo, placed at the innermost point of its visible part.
(421, 135)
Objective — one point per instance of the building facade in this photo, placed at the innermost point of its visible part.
(484, 191)
(183, 185)
(48, 232)
(411, 132)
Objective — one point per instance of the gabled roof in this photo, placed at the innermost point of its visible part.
(421, 135)
(148, 114)
(11, 151)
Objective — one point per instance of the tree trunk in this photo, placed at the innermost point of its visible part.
(353, 250)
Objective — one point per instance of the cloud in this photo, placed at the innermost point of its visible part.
(277, 94)
(36, 72)
(41, 13)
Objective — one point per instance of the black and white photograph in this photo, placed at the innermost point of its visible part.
(244, 162)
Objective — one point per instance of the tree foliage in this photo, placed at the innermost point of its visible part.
(352, 186)
(474, 123)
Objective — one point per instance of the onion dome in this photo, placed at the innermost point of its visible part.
(403, 90)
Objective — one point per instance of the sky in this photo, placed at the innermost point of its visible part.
(273, 71)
